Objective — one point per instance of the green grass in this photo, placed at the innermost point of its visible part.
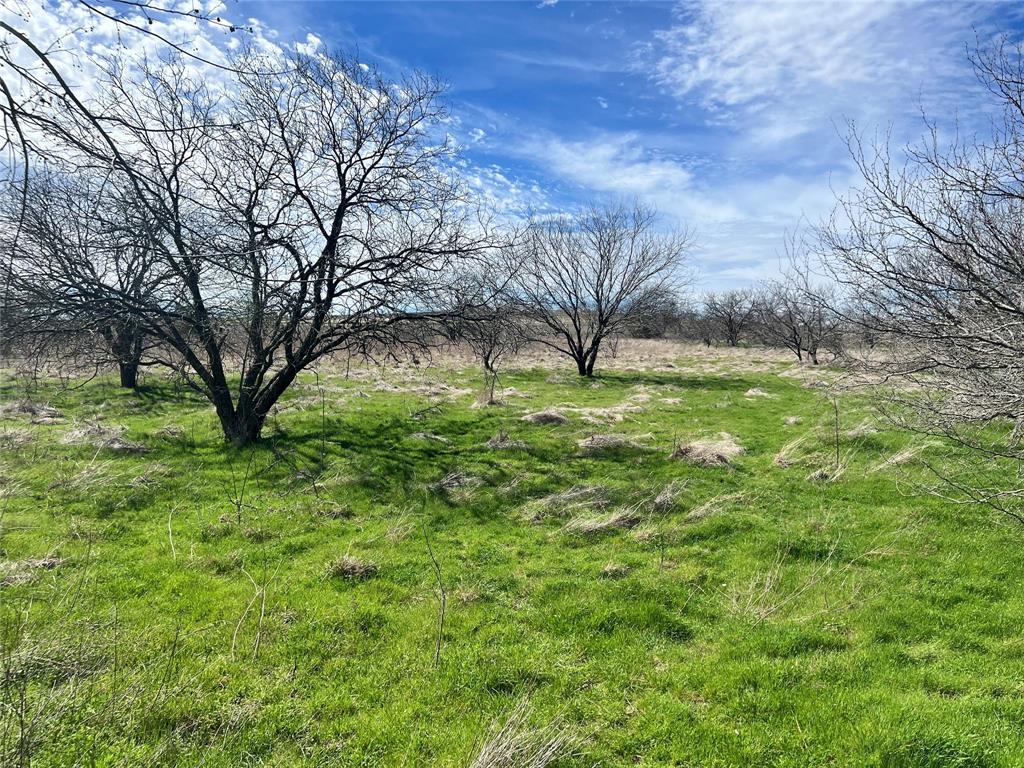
(846, 622)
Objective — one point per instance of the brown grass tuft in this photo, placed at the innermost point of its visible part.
(622, 519)
(515, 744)
(713, 506)
(615, 571)
(607, 442)
(579, 498)
(16, 572)
(757, 392)
(351, 568)
(502, 442)
(709, 453)
(667, 497)
(549, 416)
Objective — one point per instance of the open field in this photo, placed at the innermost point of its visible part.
(668, 563)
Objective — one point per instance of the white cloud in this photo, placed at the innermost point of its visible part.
(602, 102)
(788, 68)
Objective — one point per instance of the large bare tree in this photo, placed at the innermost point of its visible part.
(930, 253)
(303, 210)
(585, 277)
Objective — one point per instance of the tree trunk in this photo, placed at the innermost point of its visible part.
(129, 373)
(242, 429)
(581, 364)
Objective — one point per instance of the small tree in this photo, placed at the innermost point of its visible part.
(485, 316)
(585, 277)
(796, 312)
(731, 313)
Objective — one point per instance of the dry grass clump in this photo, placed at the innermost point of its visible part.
(16, 572)
(171, 431)
(902, 456)
(863, 429)
(15, 438)
(719, 452)
(101, 436)
(607, 442)
(671, 400)
(787, 455)
(827, 474)
(713, 506)
(622, 519)
(502, 442)
(667, 497)
(549, 417)
(792, 420)
(456, 479)
(40, 413)
(351, 568)
(615, 571)
(429, 437)
(757, 392)
(579, 498)
(515, 744)
(614, 414)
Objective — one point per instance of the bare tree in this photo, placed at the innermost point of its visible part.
(74, 234)
(930, 252)
(308, 211)
(486, 316)
(585, 277)
(796, 311)
(731, 313)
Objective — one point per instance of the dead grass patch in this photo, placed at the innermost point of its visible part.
(502, 442)
(607, 442)
(352, 568)
(714, 506)
(17, 572)
(622, 519)
(547, 417)
(757, 392)
(31, 409)
(516, 744)
(718, 452)
(615, 571)
(101, 436)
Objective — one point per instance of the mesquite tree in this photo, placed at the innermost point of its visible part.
(304, 209)
(930, 253)
(731, 313)
(72, 234)
(583, 278)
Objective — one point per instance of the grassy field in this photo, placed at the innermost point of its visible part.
(168, 600)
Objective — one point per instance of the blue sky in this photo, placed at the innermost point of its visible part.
(726, 116)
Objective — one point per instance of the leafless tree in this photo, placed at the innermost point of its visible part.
(309, 210)
(930, 252)
(797, 311)
(731, 313)
(71, 235)
(585, 277)
(486, 316)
